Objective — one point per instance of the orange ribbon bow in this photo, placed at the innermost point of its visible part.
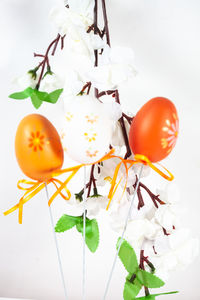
(36, 186)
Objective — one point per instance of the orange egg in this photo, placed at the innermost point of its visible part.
(38, 147)
(154, 130)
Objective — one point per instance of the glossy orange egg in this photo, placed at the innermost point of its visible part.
(38, 147)
(154, 130)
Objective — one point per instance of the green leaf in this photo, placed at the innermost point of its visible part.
(41, 95)
(66, 222)
(91, 233)
(155, 295)
(127, 256)
(22, 95)
(37, 97)
(131, 290)
(53, 96)
(149, 280)
(149, 297)
(36, 101)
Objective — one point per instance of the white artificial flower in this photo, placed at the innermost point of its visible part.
(167, 216)
(84, 8)
(186, 248)
(170, 193)
(131, 178)
(104, 172)
(139, 230)
(25, 81)
(107, 170)
(174, 252)
(117, 138)
(114, 110)
(94, 204)
(73, 85)
(97, 42)
(77, 16)
(51, 83)
(145, 171)
(76, 207)
(116, 65)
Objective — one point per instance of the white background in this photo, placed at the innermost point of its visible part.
(165, 36)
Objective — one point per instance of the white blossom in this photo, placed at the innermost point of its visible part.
(167, 217)
(174, 252)
(77, 16)
(145, 171)
(117, 138)
(25, 81)
(51, 83)
(94, 204)
(170, 193)
(139, 230)
(116, 66)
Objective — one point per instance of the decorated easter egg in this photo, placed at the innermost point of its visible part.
(154, 130)
(88, 129)
(38, 147)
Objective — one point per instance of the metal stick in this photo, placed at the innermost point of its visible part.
(122, 236)
(56, 243)
(84, 225)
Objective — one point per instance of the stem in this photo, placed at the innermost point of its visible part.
(105, 22)
(109, 92)
(132, 278)
(165, 232)
(153, 196)
(45, 61)
(129, 119)
(86, 86)
(95, 32)
(142, 260)
(123, 127)
(91, 181)
(55, 45)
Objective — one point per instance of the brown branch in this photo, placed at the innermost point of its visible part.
(142, 260)
(154, 250)
(105, 22)
(62, 41)
(165, 231)
(96, 32)
(55, 44)
(45, 61)
(129, 119)
(86, 86)
(123, 127)
(109, 92)
(91, 181)
(96, 29)
(152, 196)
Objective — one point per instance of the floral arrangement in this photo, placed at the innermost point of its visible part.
(87, 77)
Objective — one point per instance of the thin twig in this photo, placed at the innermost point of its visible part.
(105, 22)
(142, 260)
(45, 56)
(123, 127)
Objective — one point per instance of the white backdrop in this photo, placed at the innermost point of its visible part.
(165, 37)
